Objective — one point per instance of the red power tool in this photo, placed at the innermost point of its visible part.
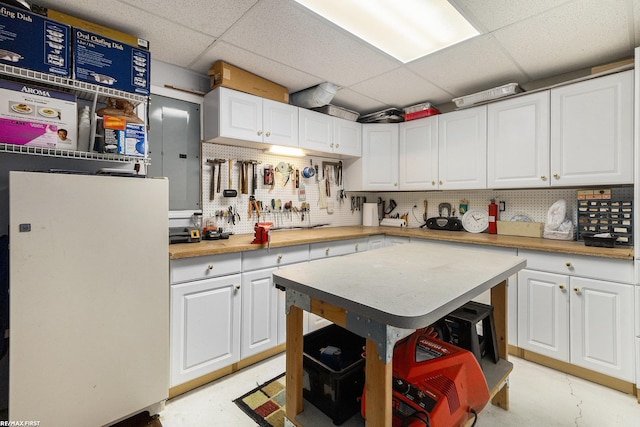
(435, 384)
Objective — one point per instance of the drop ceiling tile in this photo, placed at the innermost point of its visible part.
(211, 17)
(401, 88)
(292, 35)
(494, 15)
(468, 67)
(284, 75)
(573, 36)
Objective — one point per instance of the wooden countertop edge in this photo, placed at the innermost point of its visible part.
(242, 242)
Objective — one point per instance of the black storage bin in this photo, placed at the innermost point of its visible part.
(335, 389)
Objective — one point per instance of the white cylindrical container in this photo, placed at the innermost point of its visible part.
(370, 215)
(84, 130)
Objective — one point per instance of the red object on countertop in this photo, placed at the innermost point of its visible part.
(493, 217)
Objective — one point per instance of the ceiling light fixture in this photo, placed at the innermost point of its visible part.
(406, 30)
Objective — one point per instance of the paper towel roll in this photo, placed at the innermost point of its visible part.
(393, 222)
(370, 214)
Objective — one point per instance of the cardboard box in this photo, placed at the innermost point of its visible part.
(133, 140)
(120, 137)
(37, 117)
(97, 29)
(520, 228)
(29, 40)
(108, 62)
(229, 76)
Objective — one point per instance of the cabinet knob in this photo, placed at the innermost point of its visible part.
(236, 287)
(210, 266)
(326, 251)
(577, 290)
(568, 264)
(337, 145)
(268, 133)
(440, 182)
(556, 176)
(561, 287)
(433, 183)
(543, 177)
(395, 184)
(331, 145)
(260, 132)
(280, 257)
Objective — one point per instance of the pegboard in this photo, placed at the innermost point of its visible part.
(341, 213)
(533, 203)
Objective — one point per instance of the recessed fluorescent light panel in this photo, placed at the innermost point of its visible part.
(405, 29)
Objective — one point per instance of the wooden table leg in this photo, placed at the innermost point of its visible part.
(294, 402)
(378, 384)
(500, 318)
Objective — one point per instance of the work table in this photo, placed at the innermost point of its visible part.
(282, 238)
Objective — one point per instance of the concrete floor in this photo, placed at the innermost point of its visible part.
(539, 396)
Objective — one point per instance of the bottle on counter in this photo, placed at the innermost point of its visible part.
(84, 130)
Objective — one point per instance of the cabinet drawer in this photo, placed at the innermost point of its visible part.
(614, 270)
(274, 257)
(204, 267)
(337, 248)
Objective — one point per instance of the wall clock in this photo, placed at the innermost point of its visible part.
(475, 220)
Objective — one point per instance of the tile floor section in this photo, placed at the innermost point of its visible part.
(539, 396)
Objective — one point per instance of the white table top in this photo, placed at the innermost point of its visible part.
(407, 286)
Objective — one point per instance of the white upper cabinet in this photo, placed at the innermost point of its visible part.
(380, 157)
(322, 133)
(316, 130)
(518, 142)
(236, 117)
(592, 132)
(418, 168)
(462, 149)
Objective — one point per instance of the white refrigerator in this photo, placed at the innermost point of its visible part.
(89, 298)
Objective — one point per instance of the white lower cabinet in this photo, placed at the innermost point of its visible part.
(205, 326)
(582, 321)
(259, 312)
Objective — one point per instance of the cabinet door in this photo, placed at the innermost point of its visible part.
(418, 169)
(592, 132)
(259, 312)
(380, 157)
(316, 131)
(280, 123)
(601, 327)
(240, 115)
(518, 142)
(543, 313)
(347, 137)
(205, 327)
(462, 149)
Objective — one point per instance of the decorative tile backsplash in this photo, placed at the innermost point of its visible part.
(533, 203)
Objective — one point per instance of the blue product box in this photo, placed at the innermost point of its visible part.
(28, 40)
(107, 62)
(133, 140)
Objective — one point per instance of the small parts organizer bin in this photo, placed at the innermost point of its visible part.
(605, 216)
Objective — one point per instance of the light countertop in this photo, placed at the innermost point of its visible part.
(281, 238)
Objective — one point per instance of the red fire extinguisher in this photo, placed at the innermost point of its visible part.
(493, 217)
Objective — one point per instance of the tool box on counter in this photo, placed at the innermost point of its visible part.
(334, 371)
